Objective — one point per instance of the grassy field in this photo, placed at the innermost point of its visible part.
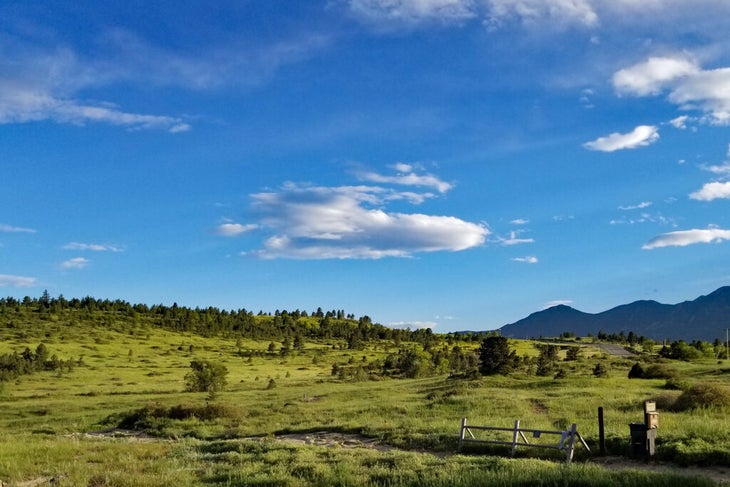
(134, 377)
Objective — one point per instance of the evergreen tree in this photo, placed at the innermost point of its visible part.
(495, 356)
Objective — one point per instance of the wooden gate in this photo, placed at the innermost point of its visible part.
(566, 442)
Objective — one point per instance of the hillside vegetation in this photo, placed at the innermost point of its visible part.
(74, 368)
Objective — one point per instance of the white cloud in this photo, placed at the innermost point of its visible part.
(16, 281)
(93, 247)
(234, 229)
(557, 302)
(407, 176)
(22, 105)
(348, 222)
(689, 86)
(679, 122)
(47, 84)
(712, 191)
(412, 12)
(645, 218)
(652, 76)
(412, 325)
(530, 259)
(556, 12)
(687, 237)
(12, 229)
(75, 263)
(720, 170)
(641, 136)
(513, 239)
(643, 204)
(520, 221)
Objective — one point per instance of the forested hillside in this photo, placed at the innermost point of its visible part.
(121, 315)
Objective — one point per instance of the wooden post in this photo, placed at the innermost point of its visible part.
(601, 432)
(461, 433)
(571, 443)
(514, 436)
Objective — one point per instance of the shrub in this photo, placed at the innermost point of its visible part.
(702, 396)
(659, 371)
(636, 372)
(206, 376)
(676, 385)
(600, 370)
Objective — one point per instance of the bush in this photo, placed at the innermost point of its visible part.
(676, 385)
(600, 370)
(703, 396)
(206, 376)
(659, 371)
(636, 372)
(155, 416)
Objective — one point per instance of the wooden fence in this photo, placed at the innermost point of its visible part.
(566, 442)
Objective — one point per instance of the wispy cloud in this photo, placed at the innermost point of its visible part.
(39, 84)
(642, 205)
(720, 169)
(412, 325)
(679, 122)
(645, 217)
(93, 247)
(352, 222)
(407, 176)
(530, 259)
(560, 13)
(520, 221)
(22, 105)
(684, 238)
(558, 302)
(75, 263)
(514, 239)
(393, 13)
(12, 229)
(234, 229)
(8, 280)
(641, 136)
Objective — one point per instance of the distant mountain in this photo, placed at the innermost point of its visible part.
(705, 318)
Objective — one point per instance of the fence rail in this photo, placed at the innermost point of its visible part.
(567, 437)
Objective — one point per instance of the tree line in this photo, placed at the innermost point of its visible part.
(211, 321)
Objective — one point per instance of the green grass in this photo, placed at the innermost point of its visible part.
(135, 378)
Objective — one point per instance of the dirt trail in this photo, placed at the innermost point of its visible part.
(329, 439)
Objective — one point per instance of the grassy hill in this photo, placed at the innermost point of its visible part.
(125, 370)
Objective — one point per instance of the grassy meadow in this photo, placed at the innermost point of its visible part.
(128, 377)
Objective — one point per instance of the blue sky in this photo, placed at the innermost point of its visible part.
(456, 164)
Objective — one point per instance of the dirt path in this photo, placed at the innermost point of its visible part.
(329, 439)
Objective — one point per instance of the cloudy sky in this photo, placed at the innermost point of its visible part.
(456, 164)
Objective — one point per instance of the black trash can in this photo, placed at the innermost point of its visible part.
(642, 441)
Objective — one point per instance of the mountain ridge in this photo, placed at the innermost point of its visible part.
(704, 318)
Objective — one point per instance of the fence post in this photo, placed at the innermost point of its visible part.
(514, 436)
(601, 432)
(461, 433)
(571, 443)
